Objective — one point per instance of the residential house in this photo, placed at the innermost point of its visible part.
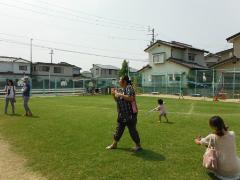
(13, 68)
(170, 64)
(228, 67)
(52, 75)
(105, 75)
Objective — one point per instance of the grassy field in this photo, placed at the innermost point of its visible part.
(66, 138)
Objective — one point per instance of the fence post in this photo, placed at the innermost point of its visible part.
(195, 91)
(213, 83)
(43, 86)
(234, 77)
(166, 81)
(55, 86)
(73, 86)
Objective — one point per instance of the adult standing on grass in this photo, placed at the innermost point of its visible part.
(10, 96)
(127, 113)
(26, 96)
(224, 142)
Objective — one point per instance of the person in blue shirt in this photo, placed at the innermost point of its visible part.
(26, 96)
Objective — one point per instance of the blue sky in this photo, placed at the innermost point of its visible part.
(116, 28)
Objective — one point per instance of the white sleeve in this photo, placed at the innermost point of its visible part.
(205, 141)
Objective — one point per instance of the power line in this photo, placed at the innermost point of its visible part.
(71, 13)
(72, 19)
(88, 14)
(72, 51)
(69, 44)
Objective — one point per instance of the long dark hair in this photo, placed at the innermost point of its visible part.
(11, 82)
(219, 125)
(126, 78)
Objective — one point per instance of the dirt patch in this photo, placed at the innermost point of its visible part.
(12, 166)
(188, 97)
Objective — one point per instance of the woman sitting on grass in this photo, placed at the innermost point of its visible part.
(228, 163)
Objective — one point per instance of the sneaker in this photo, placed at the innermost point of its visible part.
(137, 149)
(111, 147)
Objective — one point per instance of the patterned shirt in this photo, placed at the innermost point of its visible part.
(125, 107)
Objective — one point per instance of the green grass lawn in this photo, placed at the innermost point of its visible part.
(66, 139)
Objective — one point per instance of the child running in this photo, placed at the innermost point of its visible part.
(161, 108)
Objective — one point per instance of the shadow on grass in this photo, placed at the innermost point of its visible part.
(145, 154)
(212, 176)
(33, 117)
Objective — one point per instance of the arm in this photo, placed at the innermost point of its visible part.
(114, 94)
(130, 95)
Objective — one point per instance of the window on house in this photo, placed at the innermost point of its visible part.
(159, 58)
(34, 68)
(110, 71)
(44, 68)
(191, 56)
(174, 77)
(22, 68)
(58, 70)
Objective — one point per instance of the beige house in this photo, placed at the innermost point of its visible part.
(170, 63)
(228, 66)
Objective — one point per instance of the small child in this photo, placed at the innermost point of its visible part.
(161, 108)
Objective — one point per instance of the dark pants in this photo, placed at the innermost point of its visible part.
(131, 124)
(25, 104)
(12, 104)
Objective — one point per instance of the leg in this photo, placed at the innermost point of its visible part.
(165, 115)
(160, 118)
(12, 104)
(119, 131)
(118, 134)
(6, 105)
(27, 109)
(133, 131)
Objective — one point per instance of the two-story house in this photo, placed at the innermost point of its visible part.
(170, 64)
(228, 66)
(49, 75)
(13, 68)
(105, 75)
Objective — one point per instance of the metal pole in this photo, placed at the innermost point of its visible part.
(213, 83)
(195, 92)
(234, 78)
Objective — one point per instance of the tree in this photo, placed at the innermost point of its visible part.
(124, 69)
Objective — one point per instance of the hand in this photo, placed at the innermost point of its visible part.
(198, 140)
(113, 91)
(118, 95)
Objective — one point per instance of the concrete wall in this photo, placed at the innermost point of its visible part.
(236, 47)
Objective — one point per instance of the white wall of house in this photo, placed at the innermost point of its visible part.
(65, 70)
(14, 67)
(165, 69)
(159, 49)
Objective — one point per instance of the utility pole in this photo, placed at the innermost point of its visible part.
(153, 36)
(31, 56)
(49, 71)
(51, 55)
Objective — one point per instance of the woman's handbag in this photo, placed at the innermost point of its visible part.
(210, 158)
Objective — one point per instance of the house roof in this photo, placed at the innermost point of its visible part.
(65, 63)
(191, 65)
(145, 67)
(212, 55)
(58, 64)
(133, 70)
(174, 44)
(224, 51)
(233, 37)
(13, 59)
(232, 59)
(106, 66)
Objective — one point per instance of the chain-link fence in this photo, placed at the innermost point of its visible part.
(209, 83)
(224, 83)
